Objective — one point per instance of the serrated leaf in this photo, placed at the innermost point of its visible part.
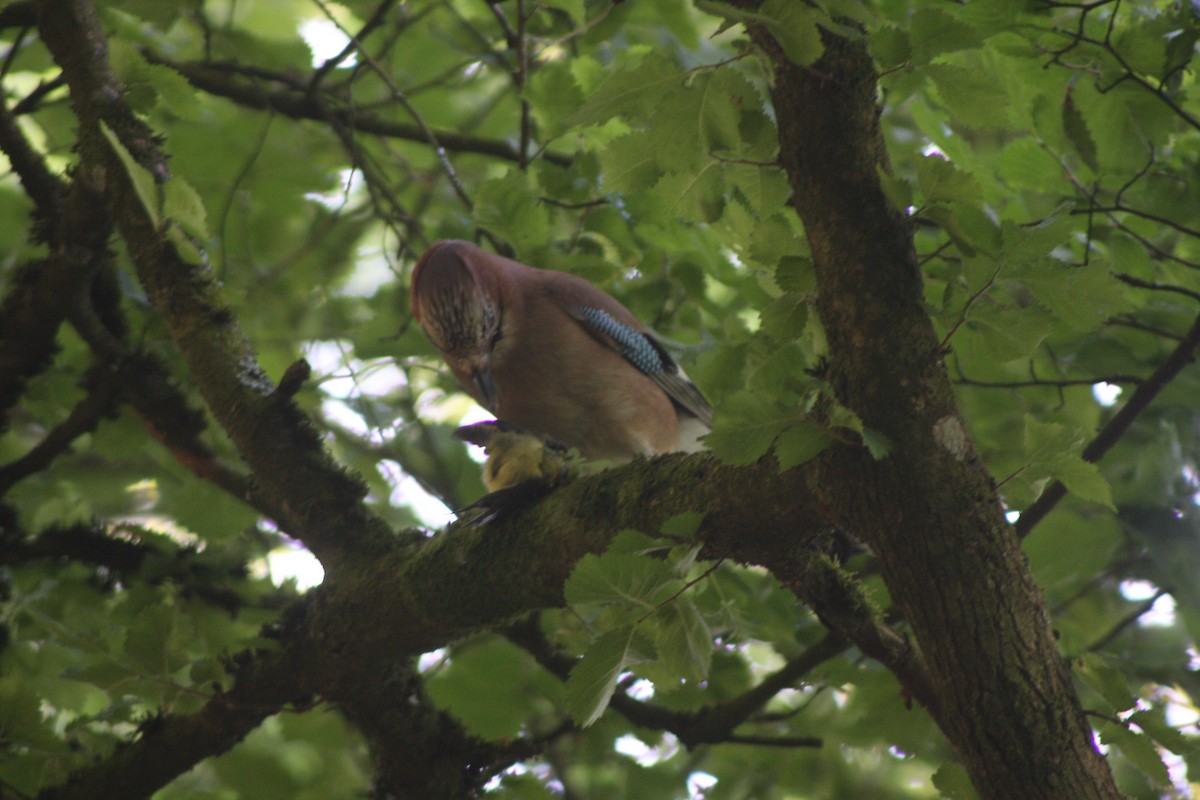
(953, 782)
(941, 181)
(486, 687)
(796, 274)
(1077, 133)
(1154, 722)
(182, 204)
(800, 443)
(1104, 680)
(1030, 244)
(1083, 479)
(1049, 442)
(1052, 448)
(697, 195)
(635, 542)
(785, 317)
(683, 639)
(155, 642)
(594, 679)
(630, 163)
(143, 182)
(1082, 297)
(620, 578)
(897, 190)
(745, 425)
(1009, 333)
(632, 91)
(682, 559)
(795, 27)
(512, 207)
(972, 96)
(878, 445)
(683, 526)
(1139, 749)
(839, 416)
(765, 189)
(934, 31)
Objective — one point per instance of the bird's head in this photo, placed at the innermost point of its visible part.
(456, 302)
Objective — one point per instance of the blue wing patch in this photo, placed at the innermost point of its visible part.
(637, 348)
(644, 352)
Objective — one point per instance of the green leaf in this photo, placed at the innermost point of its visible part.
(934, 31)
(683, 640)
(487, 686)
(620, 578)
(952, 780)
(898, 191)
(745, 426)
(630, 163)
(972, 96)
(785, 318)
(144, 185)
(795, 27)
(800, 443)
(698, 195)
(156, 641)
(182, 204)
(1009, 333)
(942, 181)
(1083, 297)
(632, 91)
(512, 207)
(1053, 448)
(764, 188)
(1077, 133)
(841, 417)
(594, 679)
(1107, 681)
(1154, 722)
(683, 526)
(1139, 749)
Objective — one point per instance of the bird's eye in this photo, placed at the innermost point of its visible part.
(494, 328)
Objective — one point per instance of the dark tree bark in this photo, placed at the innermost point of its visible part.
(1002, 691)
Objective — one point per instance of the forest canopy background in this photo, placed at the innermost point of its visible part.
(200, 194)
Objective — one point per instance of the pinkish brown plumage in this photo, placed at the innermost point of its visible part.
(555, 355)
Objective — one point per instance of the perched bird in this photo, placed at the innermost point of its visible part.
(552, 354)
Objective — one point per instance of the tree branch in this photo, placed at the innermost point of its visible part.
(169, 746)
(927, 509)
(226, 81)
(1141, 398)
(276, 439)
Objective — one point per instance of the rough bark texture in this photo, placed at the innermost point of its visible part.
(928, 510)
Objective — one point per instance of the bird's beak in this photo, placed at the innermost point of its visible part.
(481, 377)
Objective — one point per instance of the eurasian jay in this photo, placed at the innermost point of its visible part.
(552, 354)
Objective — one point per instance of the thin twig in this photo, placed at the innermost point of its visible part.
(1115, 428)
(399, 96)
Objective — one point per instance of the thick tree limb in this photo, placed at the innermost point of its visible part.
(928, 510)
